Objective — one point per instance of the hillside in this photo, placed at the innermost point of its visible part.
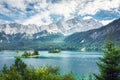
(95, 39)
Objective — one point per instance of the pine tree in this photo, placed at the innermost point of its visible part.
(5, 69)
(20, 66)
(109, 64)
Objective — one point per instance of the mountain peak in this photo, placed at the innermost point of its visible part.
(75, 25)
(65, 27)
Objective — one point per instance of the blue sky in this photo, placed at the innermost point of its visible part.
(44, 12)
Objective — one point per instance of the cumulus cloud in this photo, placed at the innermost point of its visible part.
(39, 19)
(63, 8)
(93, 7)
(19, 4)
(39, 11)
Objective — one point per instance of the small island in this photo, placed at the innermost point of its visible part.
(26, 54)
(54, 51)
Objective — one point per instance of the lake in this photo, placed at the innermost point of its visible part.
(77, 62)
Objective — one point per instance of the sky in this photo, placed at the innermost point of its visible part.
(44, 12)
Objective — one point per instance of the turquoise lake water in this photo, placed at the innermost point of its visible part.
(77, 62)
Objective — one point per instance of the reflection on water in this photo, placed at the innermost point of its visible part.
(77, 62)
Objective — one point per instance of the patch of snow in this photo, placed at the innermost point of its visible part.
(82, 41)
(83, 49)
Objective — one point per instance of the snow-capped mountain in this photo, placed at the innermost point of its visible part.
(14, 28)
(76, 25)
(64, 27)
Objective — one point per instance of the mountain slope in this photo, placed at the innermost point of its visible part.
(94, 39)
(42, 40)
(47, 36)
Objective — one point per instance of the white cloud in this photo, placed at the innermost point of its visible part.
(37, 19)
(11, 7)
(64, 7)
(20, 4)
(96, 5)
(4, 10)
(68, 7)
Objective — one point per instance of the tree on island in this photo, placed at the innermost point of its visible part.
(26, 54)
(35, 52)
(109, 64)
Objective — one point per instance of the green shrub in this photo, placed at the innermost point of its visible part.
(20, 71)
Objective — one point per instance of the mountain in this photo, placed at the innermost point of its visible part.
(13, 28)
(9, 38)
(16, 32)
(18, 36)
(64, 27)
(95, 39)
(75, 25)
